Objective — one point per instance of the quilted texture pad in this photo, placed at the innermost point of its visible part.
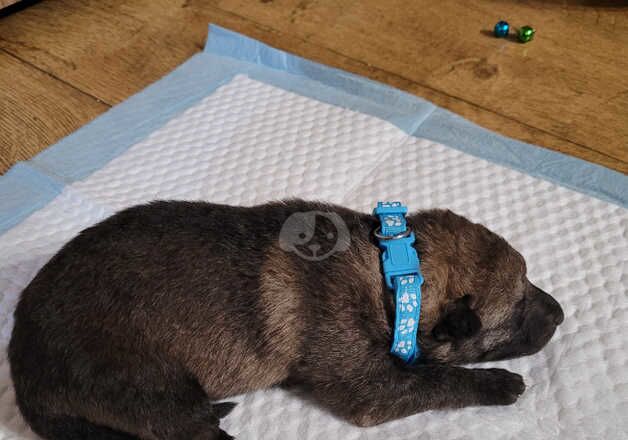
(250, 142)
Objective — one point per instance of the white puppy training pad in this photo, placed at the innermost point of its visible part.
(248, 142)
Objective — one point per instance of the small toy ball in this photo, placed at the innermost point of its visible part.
(525, 34)
(501, 29)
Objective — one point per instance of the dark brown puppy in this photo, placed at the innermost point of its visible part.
(138, 324)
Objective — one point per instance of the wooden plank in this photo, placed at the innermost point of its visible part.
(111, 49)
(82, 43)
(36, 110)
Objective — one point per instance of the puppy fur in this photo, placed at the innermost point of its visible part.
(140, 323)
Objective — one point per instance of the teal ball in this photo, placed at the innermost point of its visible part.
(501, 29)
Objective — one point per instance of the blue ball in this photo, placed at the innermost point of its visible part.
(501, 29)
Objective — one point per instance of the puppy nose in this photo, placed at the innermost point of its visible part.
(559, 316)
(554, 309)
(557, 311)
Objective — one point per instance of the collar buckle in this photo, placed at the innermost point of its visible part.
(399, 258)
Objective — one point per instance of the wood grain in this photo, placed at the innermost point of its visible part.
(36, 110)
(575, 103)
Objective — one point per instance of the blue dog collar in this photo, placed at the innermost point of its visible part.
(402, 273)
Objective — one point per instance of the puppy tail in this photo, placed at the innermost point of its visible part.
(223, 409)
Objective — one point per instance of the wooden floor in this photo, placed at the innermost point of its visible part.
(63, 62)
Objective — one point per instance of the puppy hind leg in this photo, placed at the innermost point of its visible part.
(184, 412)
(74, 428)
(164, 404)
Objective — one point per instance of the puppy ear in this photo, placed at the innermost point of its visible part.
(460, 322)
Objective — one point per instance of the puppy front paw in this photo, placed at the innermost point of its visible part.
(497, 386)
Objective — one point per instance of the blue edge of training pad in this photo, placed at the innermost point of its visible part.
(28, 186)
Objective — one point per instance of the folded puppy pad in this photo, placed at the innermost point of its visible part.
(243, 123)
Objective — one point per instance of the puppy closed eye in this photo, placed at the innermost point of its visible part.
(458, 323)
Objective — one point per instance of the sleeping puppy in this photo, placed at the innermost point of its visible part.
(142, 322)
